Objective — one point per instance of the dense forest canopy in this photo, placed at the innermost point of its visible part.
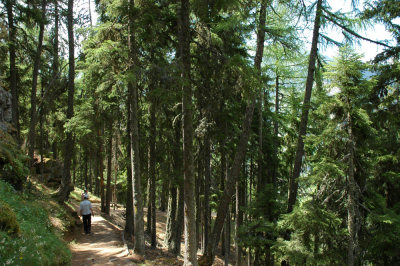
(226, 114)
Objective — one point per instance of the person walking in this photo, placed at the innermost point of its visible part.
(86, 212)
(85, 193)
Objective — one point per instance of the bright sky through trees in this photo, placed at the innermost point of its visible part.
(375, 32)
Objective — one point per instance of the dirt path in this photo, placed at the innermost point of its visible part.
(103, 247)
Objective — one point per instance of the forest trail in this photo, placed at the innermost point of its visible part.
(103, 247)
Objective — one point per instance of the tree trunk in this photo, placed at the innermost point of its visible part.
(208, 257)
(190, 256)
(152, 171)
(109, 165)
(171, 216)
(179, 217)
(129, 221)
(207, 185)
(101, 169)
(134, 138)
(293, 182)
(12, 31)
(35, 75)
(66, 186)
(260, 181)
(115, 197)
(238, 223)
(352, 202)
(199, 191)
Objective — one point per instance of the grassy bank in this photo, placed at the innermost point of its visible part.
(32, 227)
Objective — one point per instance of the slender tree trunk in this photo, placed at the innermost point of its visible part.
(207, 185)
(86, 159)
(352, 201)
(293, 182)
(179, 217)
(36, 66)
(55, 66)
(260, 181)
(223, 206)
(134, 138)
(238, 223)
(276, 130)
(12, 31)
(109, 165)
(152, 171)
(129, 221)
(101, 169)
(190, 255)
(199, 191)
(66, 186)
(115, 198)
(149, 215)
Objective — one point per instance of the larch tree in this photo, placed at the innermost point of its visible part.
(66, 186)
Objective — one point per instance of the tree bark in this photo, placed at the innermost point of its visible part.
(352, 198)
(129, 221)
(134, 138)
(12, 31)
(152, 171)
(66, 186)
(207, 185)
(35, 75)
(238, 223)
(293, 182)
(190, 255)
(109, 165)
(208, 257)
(101, 168)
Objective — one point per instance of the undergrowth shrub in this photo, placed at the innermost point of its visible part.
(13, 167)
(37, 243)
(8, 220)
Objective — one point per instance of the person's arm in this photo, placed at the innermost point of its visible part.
(80, 212)
(91, 210)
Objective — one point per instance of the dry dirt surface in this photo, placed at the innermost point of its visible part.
(103, 247)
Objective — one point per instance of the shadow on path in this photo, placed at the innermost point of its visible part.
(103, 247)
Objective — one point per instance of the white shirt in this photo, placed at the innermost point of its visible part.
(85, 207)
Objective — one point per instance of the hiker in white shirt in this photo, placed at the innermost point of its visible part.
(86, 211)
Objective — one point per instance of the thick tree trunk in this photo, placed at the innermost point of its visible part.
(190, 255)
(171, 216)
(109, 165)
(129, 221)
(293, 182)
(12, 31)
(66, 186)
(223, 206)
(35, 75)
(176, 203)
(134, 138)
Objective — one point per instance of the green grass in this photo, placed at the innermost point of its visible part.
(38, 243)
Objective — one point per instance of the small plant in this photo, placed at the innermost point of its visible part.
(8, 220)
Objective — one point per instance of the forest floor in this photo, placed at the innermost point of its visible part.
(106, 244)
